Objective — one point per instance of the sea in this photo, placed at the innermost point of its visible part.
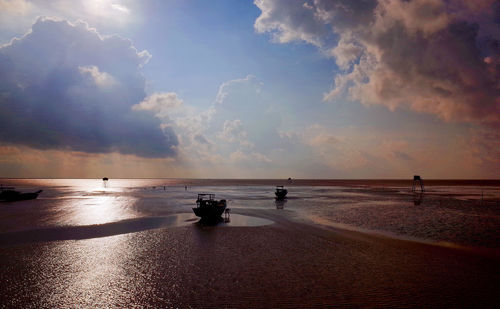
(135, 243)
(449, 212)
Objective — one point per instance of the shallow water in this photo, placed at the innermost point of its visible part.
(457, 213)
(59, 233)
(136, 243)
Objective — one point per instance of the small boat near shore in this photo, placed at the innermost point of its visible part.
(8, 194)
(280, 192)
(207, 207)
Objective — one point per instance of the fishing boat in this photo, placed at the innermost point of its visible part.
(207, 207)
(280, 192)
(8, 194)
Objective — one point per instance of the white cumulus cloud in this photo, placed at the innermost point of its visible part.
(101, 79)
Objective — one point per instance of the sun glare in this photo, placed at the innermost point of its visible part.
(107, 9)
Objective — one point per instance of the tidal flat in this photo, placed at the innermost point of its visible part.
(136, 243)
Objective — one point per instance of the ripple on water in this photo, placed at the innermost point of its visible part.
(185, 219)
(123, 227)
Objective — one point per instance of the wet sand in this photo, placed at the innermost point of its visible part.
(283, 265)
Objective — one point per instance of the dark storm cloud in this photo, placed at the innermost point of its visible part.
(433, 56)
(64, 86)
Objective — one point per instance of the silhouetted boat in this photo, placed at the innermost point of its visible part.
(11, 195)
(207, 207)
(280, 192)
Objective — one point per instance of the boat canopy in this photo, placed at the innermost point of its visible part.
(202, 196)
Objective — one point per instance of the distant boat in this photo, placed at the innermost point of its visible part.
(207, 207)
(280, 192)
(11, 195)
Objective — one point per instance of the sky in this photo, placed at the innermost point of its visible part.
(239, 89)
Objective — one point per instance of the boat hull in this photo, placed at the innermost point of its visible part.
(13, 196)
(209, 212)
(280, 195)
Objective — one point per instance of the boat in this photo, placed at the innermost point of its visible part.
(280, 192)
(8, 194)
(207, 207)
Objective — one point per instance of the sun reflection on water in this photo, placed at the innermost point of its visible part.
(95, 277)
(97, 206)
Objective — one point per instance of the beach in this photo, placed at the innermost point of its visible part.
(141, 247)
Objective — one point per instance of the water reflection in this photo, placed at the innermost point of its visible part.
(123, 227)
(240, 220)
(204, 222)
(232, 220)
(97, 208)
(418, 198)
(280, 204)
(90, 273)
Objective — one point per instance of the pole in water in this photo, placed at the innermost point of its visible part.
(418, 180)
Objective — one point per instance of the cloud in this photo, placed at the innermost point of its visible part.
(15, 7)
(392, 150)
(431, 56)
(239, 127)
(242, 103)
(101, 79)
(121, 8)
(115, 11)
(64, 86)
(336, 152)
(483, 148)
(289, 21)
(226, 87)
(162, 103)
(252, 157)
(22, 161)
(233, 131)
(112, 15)
(189, 124)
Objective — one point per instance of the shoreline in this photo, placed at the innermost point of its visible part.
(141, 224)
